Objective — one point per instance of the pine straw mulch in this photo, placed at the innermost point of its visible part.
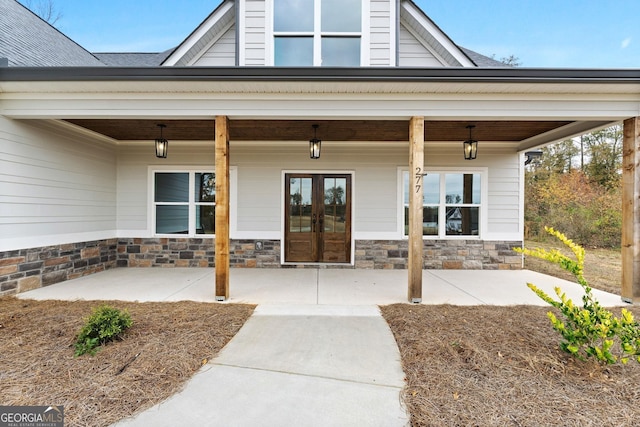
(501, 366)
(174, 340)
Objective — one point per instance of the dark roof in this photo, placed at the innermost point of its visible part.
(482, 60)
(133, 59)
(29, 41)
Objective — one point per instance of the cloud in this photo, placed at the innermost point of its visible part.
(626, 42)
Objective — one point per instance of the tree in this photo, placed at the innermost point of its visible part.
(45, 9)
(511, 61)
(604, 151)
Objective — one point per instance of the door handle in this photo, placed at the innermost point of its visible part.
(313, 223)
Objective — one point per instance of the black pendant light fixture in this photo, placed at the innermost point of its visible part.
(162, 145)
(470, 146)
(314, 144)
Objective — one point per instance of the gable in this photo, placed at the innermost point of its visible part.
(431, 37)
(205, 37)
(240, 32)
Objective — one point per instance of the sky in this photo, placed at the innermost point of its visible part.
(542, 33)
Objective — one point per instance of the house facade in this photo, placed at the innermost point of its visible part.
(308, 133)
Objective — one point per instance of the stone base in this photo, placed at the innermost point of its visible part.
(27, 269)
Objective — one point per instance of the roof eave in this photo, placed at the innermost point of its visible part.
(284, 74)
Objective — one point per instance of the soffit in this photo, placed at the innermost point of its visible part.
(329, 130)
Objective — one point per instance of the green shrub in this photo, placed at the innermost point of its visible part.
(590, 330)
(105, 324)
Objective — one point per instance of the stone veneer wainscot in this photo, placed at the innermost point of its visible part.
(26, 269)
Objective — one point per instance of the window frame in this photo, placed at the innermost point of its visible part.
(192, 204)
(442, 205)
(317, 34)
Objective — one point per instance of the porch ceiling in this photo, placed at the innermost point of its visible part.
(329, 130)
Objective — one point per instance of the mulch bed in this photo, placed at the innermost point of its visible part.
(173, 340)
(501, 366)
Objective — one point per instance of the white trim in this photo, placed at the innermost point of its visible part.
(269, 48)
(437, 33)
(521, 158)
(14, 244)
(199, 32)
(426, 45)
(191, 170)
(394, 26)
(209, 45)
(375, 235)
(484, 198)
(365, 34)
(242, 26)
(283, 173)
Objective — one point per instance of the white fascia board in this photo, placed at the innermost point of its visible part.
(562, 133)
(437, 33)
(199, 32)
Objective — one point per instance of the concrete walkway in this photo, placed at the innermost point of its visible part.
(316, 351)
(295, 365)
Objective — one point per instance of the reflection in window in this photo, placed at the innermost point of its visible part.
(335, 205)
(340, 51)
(184, 202)
(300, 205)
(293, 15)
(341, 15)
(336, 34)
(451, 204)
(294, 51)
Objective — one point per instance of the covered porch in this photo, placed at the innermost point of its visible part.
(413, 117)
(322, 286)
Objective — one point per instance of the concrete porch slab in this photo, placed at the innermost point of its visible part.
(315, 286)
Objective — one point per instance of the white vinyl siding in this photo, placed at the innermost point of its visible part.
(503, 184)
(380, 29)
(55, 186)
(257, 191)
(254, 33)
(222, 53)
(134, 197)
(413, 53)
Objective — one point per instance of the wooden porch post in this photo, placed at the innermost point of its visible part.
(222, 208)
(416, 168)
(631, 210)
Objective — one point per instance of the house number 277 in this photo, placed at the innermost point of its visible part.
(418, 179)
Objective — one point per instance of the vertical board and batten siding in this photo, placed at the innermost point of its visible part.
(413, 53)
(380, 29)
(133, 180)
(222, 53)
(255, 32)
(55, 186)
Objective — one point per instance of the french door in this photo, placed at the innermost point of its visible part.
(317, 218)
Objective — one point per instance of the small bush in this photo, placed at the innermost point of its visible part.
(105, 324)
(590, 330)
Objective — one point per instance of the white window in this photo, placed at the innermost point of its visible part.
(452, 203)
(317, 32)
(184, 202)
